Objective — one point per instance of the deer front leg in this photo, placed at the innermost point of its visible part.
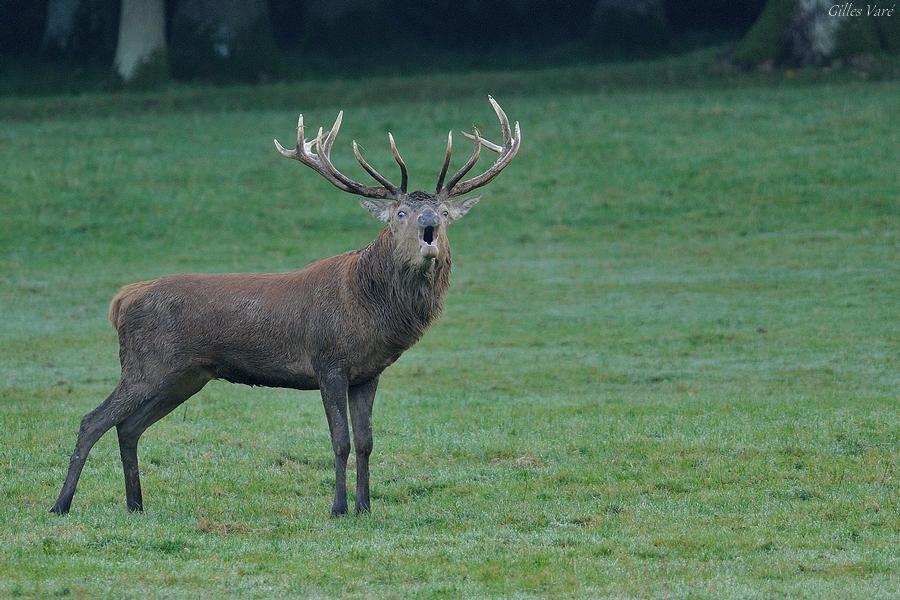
(361, 400)
(334, 396)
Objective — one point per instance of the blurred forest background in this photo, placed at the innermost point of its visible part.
(60, 46)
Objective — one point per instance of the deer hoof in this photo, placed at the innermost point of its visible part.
(59, 510)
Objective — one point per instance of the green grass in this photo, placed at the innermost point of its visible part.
(668, 365)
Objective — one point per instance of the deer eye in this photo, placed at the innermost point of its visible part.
(446, 213)
(401, 213)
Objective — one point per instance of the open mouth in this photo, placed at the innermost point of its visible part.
(427, 247)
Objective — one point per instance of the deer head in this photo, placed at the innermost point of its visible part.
(418, 220)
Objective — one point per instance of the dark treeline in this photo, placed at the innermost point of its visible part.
(58, 45)
(322, 34)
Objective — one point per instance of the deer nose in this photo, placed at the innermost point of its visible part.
(428, 219)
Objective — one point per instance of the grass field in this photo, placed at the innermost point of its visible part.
(669, 363)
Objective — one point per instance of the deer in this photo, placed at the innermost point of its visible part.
(333, 326)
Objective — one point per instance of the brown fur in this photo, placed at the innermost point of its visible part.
(356, 311)
(334, 325)
(121, 300)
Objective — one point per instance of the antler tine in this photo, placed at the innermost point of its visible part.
(301, 137)
(466, 167)
(486, 143)
(370, 169)
(512, 140)
(282, 150)
(320, 161)
(446, 165)
(332, 134)
(325, 156)
(504, 121)
(302, 152)
(323, 150)
(404, 176)
(315, 143)
(300, 146)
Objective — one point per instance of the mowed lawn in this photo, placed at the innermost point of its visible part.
(668, 366)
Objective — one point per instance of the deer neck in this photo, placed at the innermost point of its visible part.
(405, 298)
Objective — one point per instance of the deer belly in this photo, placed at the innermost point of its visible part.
(299, 376)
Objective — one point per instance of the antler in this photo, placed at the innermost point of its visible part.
(320, 162)
(507, 152)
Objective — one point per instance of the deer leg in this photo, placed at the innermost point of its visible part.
(334, 396)
(131, 429)
(128, 451)
(361, 400)
(93, 426)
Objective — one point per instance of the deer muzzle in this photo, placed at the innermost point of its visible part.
(428, 232)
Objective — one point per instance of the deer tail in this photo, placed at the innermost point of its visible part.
(120, 302)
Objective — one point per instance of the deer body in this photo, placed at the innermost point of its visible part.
(356, 312)
(334, 325)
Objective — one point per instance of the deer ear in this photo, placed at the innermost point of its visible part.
(380, 209)
(458, 208)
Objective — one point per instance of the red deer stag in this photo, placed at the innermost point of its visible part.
(334, 325)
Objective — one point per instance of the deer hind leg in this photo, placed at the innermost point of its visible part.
(130, 398)
(93, 425)
(148, 413)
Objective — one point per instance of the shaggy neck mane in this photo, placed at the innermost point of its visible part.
(405, 299)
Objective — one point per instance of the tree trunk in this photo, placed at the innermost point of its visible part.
(60, 29)
(140, 53)
(222, 39)
(809, 32)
